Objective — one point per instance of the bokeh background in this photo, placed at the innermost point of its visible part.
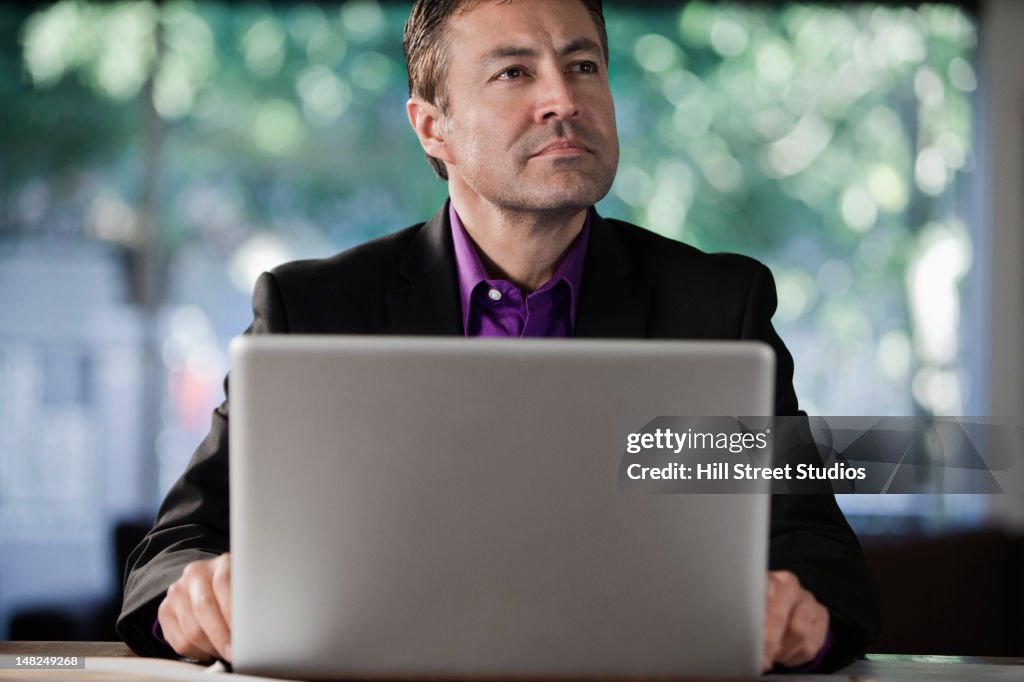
(156, 157)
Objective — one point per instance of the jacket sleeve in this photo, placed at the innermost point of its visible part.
(192, 522)
(808, 533)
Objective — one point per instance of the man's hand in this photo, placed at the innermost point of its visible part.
(795, 623)
(195, 616)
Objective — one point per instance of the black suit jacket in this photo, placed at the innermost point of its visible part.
(636, 284)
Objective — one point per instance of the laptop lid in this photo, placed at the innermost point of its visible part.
(430, 507)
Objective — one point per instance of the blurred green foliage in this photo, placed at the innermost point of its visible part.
(830, 141)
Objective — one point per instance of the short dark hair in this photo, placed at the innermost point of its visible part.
(426, 51)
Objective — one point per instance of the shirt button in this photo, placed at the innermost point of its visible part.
(494, 294)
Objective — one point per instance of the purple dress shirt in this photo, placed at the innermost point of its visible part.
(496, 308)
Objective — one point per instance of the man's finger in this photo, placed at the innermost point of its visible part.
(805, 634)
(782, 593)
(222, 584)
(206, 610)
(170, 629)
(196, 644)
(180, 628)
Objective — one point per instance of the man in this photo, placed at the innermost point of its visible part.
(511, 103)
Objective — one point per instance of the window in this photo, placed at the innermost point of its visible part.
(145, 189)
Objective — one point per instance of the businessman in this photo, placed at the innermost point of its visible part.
(511, 104)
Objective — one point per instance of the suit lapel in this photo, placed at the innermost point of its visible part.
(611, 303)
(428, 304)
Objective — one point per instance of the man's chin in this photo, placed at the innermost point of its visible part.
(567, 191)
(579, 199)
(568, 203)
(558, 192)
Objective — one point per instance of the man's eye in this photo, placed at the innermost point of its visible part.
(510, 73)
(585, 67)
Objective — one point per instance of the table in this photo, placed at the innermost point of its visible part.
(113, 662)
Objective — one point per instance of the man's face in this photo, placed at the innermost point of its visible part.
(531, 122)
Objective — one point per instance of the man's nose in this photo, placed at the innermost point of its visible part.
(557, 100)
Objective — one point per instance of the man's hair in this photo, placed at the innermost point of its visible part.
(426, 51)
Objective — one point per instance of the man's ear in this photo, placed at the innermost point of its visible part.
(427, 122)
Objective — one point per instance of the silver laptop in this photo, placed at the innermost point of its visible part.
(439, 508)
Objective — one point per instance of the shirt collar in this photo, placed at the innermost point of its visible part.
(471, 271)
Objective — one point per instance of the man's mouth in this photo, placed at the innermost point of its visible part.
(564, 147)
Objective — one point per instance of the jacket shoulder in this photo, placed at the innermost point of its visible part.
(373, 261)
(655, 255)
(344, 293)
